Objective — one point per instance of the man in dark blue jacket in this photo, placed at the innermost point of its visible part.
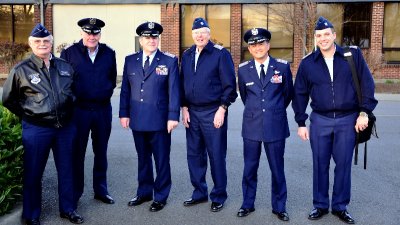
(325, 77)
(266, 89)
(96, 69)
(149, 105)
(209, 88)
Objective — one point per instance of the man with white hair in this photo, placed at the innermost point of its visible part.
(39, 91)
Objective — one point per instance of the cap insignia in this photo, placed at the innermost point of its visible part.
(254, 31)
(92, 21)
(151, 25)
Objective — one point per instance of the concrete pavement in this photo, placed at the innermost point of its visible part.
(375, 194)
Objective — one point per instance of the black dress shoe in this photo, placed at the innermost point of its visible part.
(32, 222)
(156, 206)
(317, 213)
(106, 199)
(215, 206)
(73, 217)
(284, 216)
(344, 216)
(244, 212)
(139, 200)
(192, 201)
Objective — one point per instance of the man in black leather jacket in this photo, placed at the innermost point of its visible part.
(39, 90)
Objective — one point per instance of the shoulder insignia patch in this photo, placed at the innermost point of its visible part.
(219, 47)
(282, 61)
(307, 55)
(243, 63)
(169, 54)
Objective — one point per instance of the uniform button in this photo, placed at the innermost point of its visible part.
(263, 100)
(263, 110)
(141, 90)
(262, 90)
(141, 99)
(142, 81)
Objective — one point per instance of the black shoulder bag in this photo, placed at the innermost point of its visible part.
(365, 135)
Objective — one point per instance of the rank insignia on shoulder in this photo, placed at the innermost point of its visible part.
(243, 63)
(218, 47)
(109, 47)
(307, 55)
(169, 54)
(282, 61)
(66, 46)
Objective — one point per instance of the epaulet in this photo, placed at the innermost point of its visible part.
(307, 55)
(133, 53)
(219, 47)
(109, 47)
(169, 54)
(186, 50)
(353, 46)
(282, 61)
(243, 63)
(67, 46)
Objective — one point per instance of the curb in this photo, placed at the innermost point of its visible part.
(13, 217)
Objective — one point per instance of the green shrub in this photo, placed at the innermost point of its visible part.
(11, 161)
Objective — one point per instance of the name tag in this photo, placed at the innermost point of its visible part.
(249, 84)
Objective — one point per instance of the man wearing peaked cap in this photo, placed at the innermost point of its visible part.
(325, 77)
(96, 68)
(149, 105)
(209, 83)
(266, 89)
(44, 130)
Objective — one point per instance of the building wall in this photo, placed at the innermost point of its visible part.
(120, 29)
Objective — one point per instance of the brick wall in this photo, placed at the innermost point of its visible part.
(298, 48)
(236, 33)
(170, 20)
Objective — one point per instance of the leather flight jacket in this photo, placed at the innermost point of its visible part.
(38, 95)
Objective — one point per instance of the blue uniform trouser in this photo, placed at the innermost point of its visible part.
(275, 154)
(203, 138)
(37, 142)
(332, 138)
(158, 144)
(97, 122)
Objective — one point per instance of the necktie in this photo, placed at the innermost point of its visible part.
(146, 64)
(262, 73)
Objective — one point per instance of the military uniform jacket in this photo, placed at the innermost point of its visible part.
(213, 83)
(94, 81)
(335, 98)
(265, 103)
(40, 96)
(150, 99)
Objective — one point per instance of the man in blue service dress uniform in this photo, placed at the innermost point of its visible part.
(96, 73)
(209, 86)
(325, 77)
(266, 89)
(149, 105)
(39, 90)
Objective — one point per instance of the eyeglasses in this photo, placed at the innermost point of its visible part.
(199, 33)
(39, 41)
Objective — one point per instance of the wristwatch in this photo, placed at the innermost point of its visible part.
(224, 106)
(363, 114)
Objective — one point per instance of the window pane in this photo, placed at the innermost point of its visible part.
(281, 32)
(189, 13)
(23, 22)
(334, 13)
(391, 28)
(392, 56)
(357, 24)
(5, 23)
(253, 15)
(218, 18)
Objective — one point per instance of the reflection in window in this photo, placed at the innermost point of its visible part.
(218, 18)
(16, 22)
(391, 33)
(269, 16)
(352, 22)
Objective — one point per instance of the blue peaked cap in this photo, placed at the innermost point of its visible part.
(322, 24)
(39, 31)
(199, 23)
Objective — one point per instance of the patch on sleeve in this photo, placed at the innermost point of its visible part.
(243, 63)
(218, 47)
(169, 54)
(282, 61)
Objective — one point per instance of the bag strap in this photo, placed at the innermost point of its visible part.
(349, 57)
